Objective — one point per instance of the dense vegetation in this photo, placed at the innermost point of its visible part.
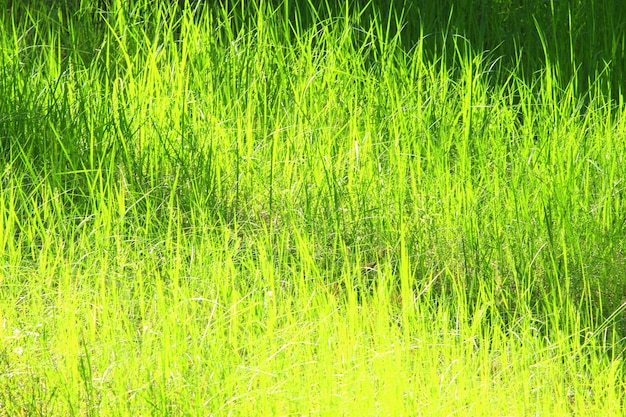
(298, 208)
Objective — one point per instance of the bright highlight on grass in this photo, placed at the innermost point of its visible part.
(226, 211)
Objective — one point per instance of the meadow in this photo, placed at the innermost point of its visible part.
(275, 209)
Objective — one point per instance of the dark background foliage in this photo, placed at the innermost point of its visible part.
(584, 41)
(580, 39)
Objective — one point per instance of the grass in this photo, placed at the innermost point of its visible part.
(205, 214)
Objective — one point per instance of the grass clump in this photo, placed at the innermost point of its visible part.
(229, 211)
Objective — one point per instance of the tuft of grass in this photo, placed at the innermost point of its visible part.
(249, 210)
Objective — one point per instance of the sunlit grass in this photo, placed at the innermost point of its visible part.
(300, 220)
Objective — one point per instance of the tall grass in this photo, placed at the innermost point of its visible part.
(223, 211)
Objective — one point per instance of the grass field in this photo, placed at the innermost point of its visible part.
(225, 211)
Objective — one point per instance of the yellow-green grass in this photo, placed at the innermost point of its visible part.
(198, 218)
